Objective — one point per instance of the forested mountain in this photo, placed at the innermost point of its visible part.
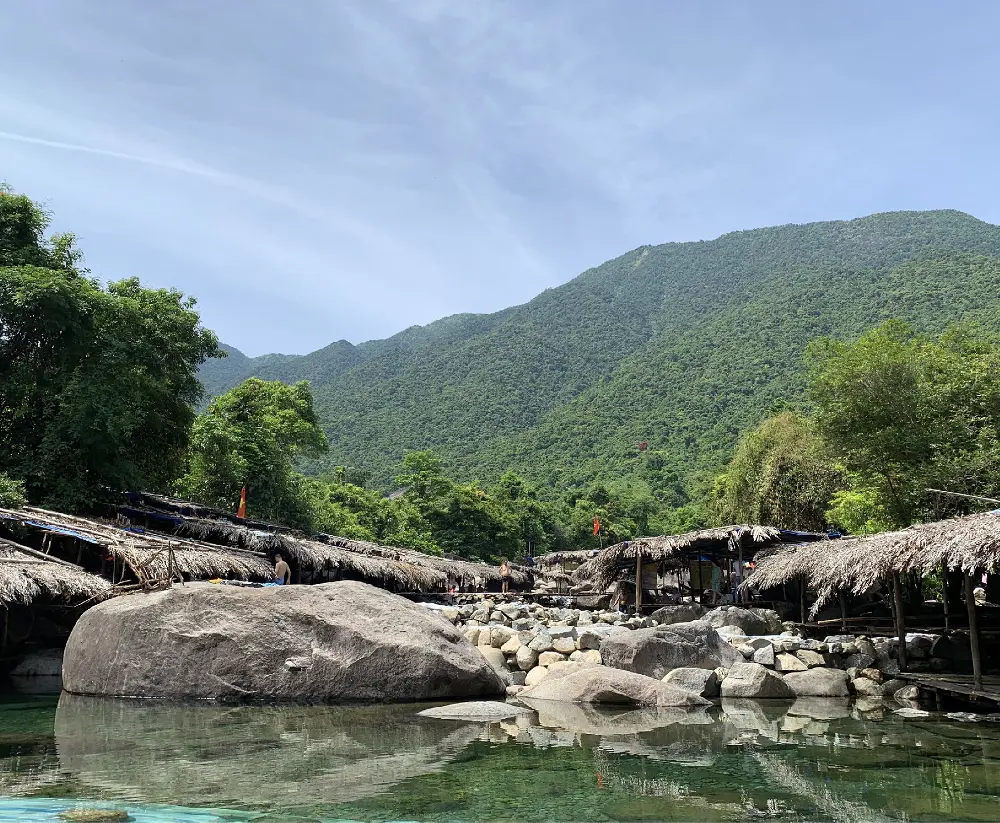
(678, 346)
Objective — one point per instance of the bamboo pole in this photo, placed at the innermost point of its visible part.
(897, 599)
(970, 604)
(944, 597)
(48, 558)
(843, 610)
(802, 598)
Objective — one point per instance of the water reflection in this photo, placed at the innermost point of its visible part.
(809, 759)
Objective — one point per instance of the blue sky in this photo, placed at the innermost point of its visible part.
(324, 169)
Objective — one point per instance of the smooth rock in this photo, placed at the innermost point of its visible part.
(698, 681)
(866, 688)
(206, 641)
(564, 645)
(592, 656)
(654, 652)
(907, 693)
(788, 663)
(753, 680)
(859, 661)
(500, 635)
(681, 613)
(43, 663)
(526, 658)
(764, 655)
(912, 713)
(475, 710)
(871, 674)
(547, 658)
(600, 684)
(810, 658)
(511, 646)
(536, 676)
(818, 682)
(542, 642)
(744, 619)
(588, 640)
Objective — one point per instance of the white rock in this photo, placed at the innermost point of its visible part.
(788, 663)
(547, 658)
(526, 657)
(536, 675)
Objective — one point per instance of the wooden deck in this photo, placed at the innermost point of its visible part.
(958, 686)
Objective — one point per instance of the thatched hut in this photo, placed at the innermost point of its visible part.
(969, 544)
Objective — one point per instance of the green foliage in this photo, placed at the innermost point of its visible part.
(782, 474)
(251, 436)
(96, 383)
(858, 510)
(11, 492)
(681, 346)
(906, 412)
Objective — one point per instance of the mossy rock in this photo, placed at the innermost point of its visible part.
(94, 816)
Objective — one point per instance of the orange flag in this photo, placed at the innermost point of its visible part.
(242, 510)
(597, 525)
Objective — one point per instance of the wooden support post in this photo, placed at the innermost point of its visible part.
(802, 598)
(970, 604)
(944, 597)
(897, 600)
(638, 583)
(843, 611)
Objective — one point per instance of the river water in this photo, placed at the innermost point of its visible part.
(811, 760)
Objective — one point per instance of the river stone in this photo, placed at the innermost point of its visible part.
(818, 682)
(592, 656)
(548, 658)
(472, 635)
(542, 642)
(753, 680)
(588, 639)
(564, 645)
(681, 613)
(500, 635)
(866, 688)
(526, 658)
(743, 619)
(859, 661)
(654, 652)
(810, 658)
(788, 663)
(511, 646)
(764, 655)
(698, 681)
(475, 710)
(497, 661)
(871, 674)
(345, 641)
(600, 684)
(536, 676)
(94, 815)
(44, 663)
(907, 693)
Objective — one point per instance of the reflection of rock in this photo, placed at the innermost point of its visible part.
(335, 641)
(599, 684)
(237, 756)
(602, 721)
(44, 663)
(761, 716)
(821, 708)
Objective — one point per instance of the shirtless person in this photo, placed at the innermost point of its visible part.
(282, 574)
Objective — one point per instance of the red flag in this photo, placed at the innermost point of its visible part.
(597, 525)
(242, 510)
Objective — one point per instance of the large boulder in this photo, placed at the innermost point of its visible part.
(818, 682)
(699, 681)
(750, 621)
(681, 613)
(599, 684)
(753, 680)
(656, 651)
(342, 641)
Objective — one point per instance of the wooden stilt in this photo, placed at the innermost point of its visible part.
(843, 611)
(897, 599)
(638, 583)
(970, 604)
(737, 594)
(802, 598)
(944, 598)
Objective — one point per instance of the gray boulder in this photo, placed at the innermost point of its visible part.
(656, 651)
(750, 622)
(818, 682)
(475, 710)
(44, 663)
(698, 681)
(764, 655)
(753, 680)
(599, 684)
(681, 613)
(342, 641)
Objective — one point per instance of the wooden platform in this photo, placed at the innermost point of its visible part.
(958, 686)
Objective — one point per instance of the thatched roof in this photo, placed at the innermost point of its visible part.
(858, 564)
(146, 555)
(406, 569)
(24, 579)
(553, 559)
(602, 570)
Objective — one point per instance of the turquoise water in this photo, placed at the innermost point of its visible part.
(812, 760)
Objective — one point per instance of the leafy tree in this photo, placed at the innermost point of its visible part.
(906, 412)
(11, 492)
(782, 474)
(97, 383)
(858, 510)
(251, 436)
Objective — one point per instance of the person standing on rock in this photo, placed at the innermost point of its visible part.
(282, 574)
(504, 577)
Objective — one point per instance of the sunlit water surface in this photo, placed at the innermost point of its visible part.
(812, 760)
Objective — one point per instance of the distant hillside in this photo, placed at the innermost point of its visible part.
(679, 346)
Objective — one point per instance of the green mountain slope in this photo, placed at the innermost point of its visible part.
(680, 345)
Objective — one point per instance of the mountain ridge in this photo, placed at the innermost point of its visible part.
(639, 349)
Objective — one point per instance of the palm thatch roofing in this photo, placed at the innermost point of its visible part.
(557, 559)
(148, 557)
(603, 570)
(859, 564)
(405, 569)
(24, 578)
